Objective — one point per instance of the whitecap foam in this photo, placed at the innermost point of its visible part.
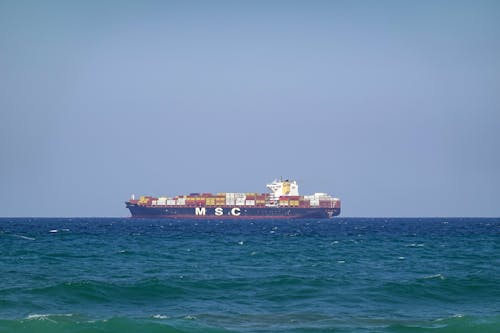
(53, 230)
(434, 276)
(25, 237)
(46, 316)
(159, 316)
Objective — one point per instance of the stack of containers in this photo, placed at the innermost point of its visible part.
(294, 201)
(250, 199)
(180, 201)
(326, 203)
(312, 200)
(239, 199)
(230, 199)
(210, 201)
(220, 200)
(162, 201)
(336, 203)
(145, 200)
(190, 201)
(283, 201)
(170, 202)
(303, 203)
(260, 200)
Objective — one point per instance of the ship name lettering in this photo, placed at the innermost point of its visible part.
(219, 211)
(235, 211)
(200, 211)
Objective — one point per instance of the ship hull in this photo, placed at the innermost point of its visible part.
(231, 212)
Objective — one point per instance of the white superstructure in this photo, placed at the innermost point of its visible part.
(280, 188)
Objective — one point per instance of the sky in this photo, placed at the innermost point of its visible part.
(392, 106)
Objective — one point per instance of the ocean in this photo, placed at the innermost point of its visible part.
(340, 275)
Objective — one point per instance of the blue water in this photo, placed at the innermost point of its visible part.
(341, 275)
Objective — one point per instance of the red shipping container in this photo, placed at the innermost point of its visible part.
(325, 203)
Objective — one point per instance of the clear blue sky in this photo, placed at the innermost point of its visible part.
(393, 106)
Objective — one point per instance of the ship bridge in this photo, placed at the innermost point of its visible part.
(280, 188)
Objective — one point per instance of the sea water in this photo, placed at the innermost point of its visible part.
(339, 275)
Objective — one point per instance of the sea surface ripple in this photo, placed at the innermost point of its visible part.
(339, 275)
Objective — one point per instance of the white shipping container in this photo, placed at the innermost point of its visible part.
(240, 201)
(314, 202)
(230, 202)
(250, 202)
(240, 195)
(181, 201)
(170, 202)
(153, 202)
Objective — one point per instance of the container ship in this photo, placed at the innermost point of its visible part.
(282, 202)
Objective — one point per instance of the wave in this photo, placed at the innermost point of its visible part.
(441, 287)
(454, 324)
(102, 292)
(56, 323)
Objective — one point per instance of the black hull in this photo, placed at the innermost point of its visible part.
(231, 212)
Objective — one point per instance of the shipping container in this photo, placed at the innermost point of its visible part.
(325, 204)
(283, 202)
(304, 203)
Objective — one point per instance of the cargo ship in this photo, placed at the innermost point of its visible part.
(282, 202)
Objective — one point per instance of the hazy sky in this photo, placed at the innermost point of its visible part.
(393, 106)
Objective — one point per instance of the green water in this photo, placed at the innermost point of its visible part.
(340, 275)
